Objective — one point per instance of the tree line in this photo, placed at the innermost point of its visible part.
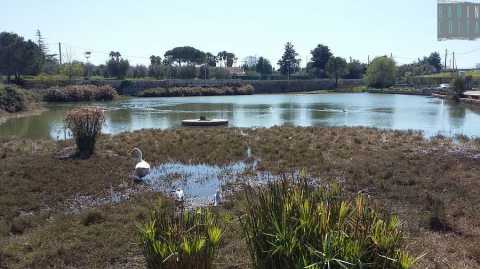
(26, 57)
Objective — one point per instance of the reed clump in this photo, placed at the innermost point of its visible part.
(293, 224)
(85, 125)
(187, 239)
(81, 93)
(198, 91)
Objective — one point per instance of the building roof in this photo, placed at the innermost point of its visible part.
(472, 93)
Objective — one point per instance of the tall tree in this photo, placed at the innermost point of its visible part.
(19, 57)
(336, 67)
(435, 60)
(157, 67)
(41, 43)
(355, 70)
(211, 59)
(188, 55)
(289, 63)
(381, 72)
(227, 58)
(263, 66)
(117, 66)
(320, 56)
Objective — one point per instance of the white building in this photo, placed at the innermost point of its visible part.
(250, 61)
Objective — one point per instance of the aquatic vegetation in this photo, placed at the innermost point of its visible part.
(294, 224)
(188, 239)
(85, 124)
(80, 93)
(198, 91)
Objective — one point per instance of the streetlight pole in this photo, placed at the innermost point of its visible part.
(87, 56)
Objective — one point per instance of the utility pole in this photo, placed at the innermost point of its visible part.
(368, 61)
(446, 56)
(454, 62)
(60, 52)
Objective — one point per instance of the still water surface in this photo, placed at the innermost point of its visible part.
(432, 116)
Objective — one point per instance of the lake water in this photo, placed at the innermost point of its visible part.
(403, 112)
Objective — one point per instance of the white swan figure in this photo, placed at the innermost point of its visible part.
(142, 168)
(179, 195)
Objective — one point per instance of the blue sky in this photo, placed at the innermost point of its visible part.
(138, 29)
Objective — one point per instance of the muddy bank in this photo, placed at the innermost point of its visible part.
(433, 185)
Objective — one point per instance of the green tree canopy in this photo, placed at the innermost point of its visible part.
(381, 72)
(117, 66)
(320, 56)
(289, 63)
(156, 68)
(263, 66)
(336, 68)
(19, 57)
(227, 58)
(187, 55)
(211, 59)
(435, 61)
(355, 70)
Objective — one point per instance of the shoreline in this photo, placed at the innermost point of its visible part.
(5, 116)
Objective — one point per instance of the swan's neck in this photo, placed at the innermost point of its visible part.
(140, 155)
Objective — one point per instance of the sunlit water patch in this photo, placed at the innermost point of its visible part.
(199, 182)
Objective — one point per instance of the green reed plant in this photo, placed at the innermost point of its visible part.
(188, 239)
(293, 224)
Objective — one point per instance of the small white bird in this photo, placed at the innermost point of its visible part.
(179, 196)
(142, 168)
(217, 198)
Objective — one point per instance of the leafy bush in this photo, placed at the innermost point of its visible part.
(297, 225)
(197, 91)
(186, 72)
(85, 124)
(458, 85)
(81, 93)
(12, 99)
(188, 239)
(381, 72)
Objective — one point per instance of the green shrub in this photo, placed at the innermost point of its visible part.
(81, 93)
(188, 239)
(458, 85)
(381, 72)
(296, 225)
(85, 124)
(14, 99)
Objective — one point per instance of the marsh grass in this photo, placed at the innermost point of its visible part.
(198, 91)
(185, 239)
(85, 124)
(294, 224)
(80, 93)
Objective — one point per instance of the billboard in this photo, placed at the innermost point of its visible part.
(458, 20)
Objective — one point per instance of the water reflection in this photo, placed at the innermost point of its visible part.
(432, 116)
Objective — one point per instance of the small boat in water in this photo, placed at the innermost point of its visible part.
(205, 122)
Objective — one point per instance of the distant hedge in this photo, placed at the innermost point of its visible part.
(81, 93)
(197, 91)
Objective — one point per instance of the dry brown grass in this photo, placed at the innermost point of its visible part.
(198, 91)
(80, 93)
(401, 171)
